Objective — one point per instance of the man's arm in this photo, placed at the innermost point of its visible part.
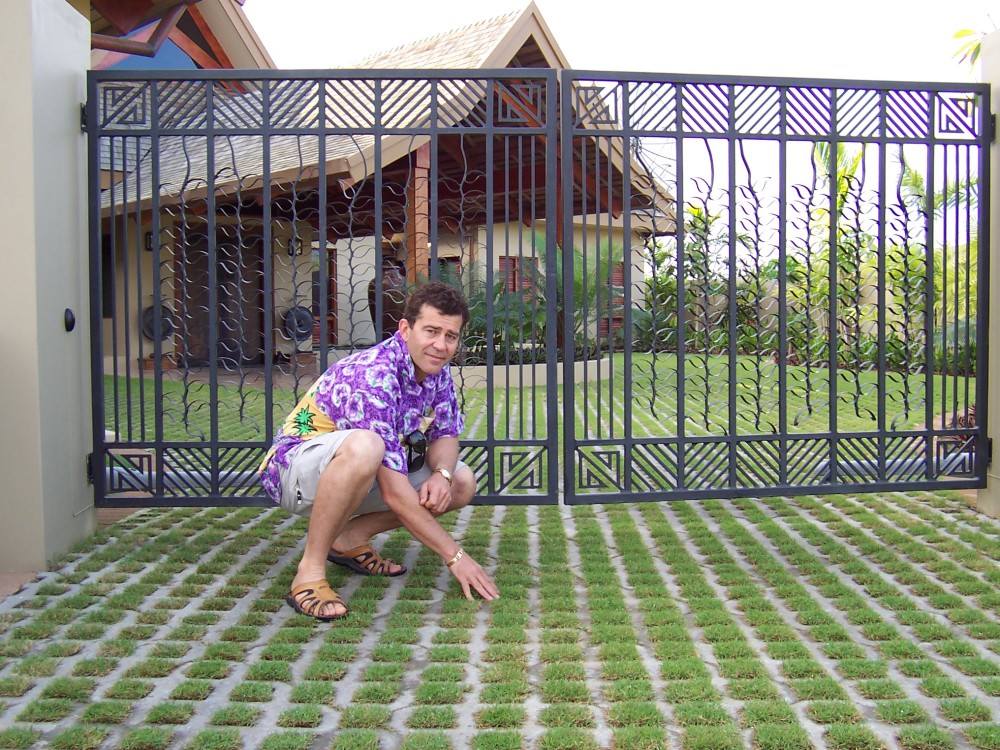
(402, 500)
(435, 493)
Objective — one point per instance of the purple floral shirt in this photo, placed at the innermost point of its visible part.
(375, 389)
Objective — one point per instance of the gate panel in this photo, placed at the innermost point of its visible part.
(778, 286)
(248, 231)
(682, 287)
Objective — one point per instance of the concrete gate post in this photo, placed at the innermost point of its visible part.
(45, 501)
(988, 499)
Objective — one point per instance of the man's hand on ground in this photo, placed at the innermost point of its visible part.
(435, 494)
(471, 575)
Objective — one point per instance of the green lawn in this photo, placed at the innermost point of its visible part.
(606, 407)
(653, 393)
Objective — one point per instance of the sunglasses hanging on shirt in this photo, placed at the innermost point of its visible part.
(416, 450)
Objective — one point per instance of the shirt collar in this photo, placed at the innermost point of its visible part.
(405, 360)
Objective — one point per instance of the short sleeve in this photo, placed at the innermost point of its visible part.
(367, 397)
(448, 419)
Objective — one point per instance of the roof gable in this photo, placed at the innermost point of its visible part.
(516, 39)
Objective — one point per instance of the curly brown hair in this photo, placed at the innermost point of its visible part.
(442, 297)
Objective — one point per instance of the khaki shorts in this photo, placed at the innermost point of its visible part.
(300, 479)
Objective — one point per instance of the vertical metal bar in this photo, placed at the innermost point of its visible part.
(379, 186)
(983, 290)
(97, 403)
(783, 437)
(680, 214)
(535, 308)
(137, 245)
(154, 202)
(566, 131)
(602, 261)
(432, 176)
(834, 257)
(967, 309)
(523, 403)
(127, 328)
(267, 250)
(492, 448)
(603, 307)
(956, 375)
(956, 309)
(552, 141)
(322, 259)
(528, 278)
(213, 285)
(731, 290)
(110, 242)
(626, 292)
(882, 243)
(945, 260)
(377, 315)
(569, 248)
(511, 294)
(929, 312)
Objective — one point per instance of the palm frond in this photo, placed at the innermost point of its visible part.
(971, 49)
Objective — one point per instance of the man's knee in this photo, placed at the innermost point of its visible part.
(362, 450)
(463, 487)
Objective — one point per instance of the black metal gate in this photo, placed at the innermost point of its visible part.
(680, 286)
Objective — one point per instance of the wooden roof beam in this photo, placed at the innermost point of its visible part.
(148, 48)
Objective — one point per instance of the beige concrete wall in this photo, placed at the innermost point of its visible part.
(45, 399)
(988, 499)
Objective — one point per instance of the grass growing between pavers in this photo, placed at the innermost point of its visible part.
(782, 623)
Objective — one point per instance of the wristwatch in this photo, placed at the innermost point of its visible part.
(443, 472)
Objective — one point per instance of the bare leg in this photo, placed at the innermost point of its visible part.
(342, 486)
(360, 529)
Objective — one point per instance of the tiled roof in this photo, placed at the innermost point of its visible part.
(467, 47)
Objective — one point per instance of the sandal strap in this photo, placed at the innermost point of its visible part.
(368, 558)
(314, 595)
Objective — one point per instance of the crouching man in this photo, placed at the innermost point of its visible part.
(372, 446)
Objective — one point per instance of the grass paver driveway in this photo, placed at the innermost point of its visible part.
(846, 622)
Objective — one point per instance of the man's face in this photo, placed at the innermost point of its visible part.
(432, 340)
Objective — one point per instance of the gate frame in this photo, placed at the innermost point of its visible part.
(559, 137)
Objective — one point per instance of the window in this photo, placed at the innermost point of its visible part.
(519, 273)
(613, 318)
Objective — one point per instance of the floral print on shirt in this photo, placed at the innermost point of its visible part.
(375, 389)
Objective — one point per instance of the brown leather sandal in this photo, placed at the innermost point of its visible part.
(314, 595)
(365, 560)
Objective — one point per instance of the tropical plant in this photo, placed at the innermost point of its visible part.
(509, 322)
(704, 269)
(971, 47)
(595, 296)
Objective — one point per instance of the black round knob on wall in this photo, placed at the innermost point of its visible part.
(69, 319)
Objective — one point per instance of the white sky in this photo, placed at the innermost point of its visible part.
(867, 39)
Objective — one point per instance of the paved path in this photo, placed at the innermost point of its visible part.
(786, 623)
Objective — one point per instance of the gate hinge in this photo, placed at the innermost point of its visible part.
(989, 451)
(90, 468)
(993, 128)
(83, 117)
